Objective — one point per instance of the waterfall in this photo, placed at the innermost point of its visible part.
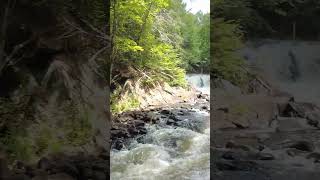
(289, 66)
(200, 82)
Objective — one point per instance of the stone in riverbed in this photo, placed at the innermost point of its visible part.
(301, 145)
(98, 175)
(165, 111)
(265, 156)
(60, 176)
(235, 165)
(204, 107)
(119, 133)
(143, 131)
(133, 131)
(315, 156)
(230, 155)
(139, 123)
(170, 122)
(313, 119)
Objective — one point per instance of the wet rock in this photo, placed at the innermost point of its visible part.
(119, 133)
(313, 119)
(118, 144)
(173, 117)
(180, 113)
(204, 107)
(235, 165)
(232, 145)
(240, 125)
(225, 165)
(263, 137)
(315, 156)
(40, 177)
(225, 110)
(170, 122)
(19, 177)
(60, 176)
(230, 155)
(165, 111)
(292, 123)
(98, 175)
(143, 131)
(294, 152)
(261, 147)
(301, 145)
(66, 167)
(139, 123)
(86, 173)
(265, 156)
(133, 131)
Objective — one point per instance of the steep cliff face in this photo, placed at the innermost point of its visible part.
(53, 89)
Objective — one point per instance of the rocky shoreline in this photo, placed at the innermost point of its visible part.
(59, 167)
(265, 137)
(82, 166)
(131, 124)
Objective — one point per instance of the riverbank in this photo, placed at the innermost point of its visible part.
(80, 166)
(273, 131)
(167, 141)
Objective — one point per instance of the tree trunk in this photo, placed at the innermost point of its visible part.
(3, 34)
(145, 19)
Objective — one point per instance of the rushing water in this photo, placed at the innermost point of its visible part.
(200, 81)
(167, 152)
(291, 66)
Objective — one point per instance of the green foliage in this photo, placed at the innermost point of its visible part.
(14, 116)
(226, 40)
(46, 142)
(271, 18)
(18, 146)
(160, 39)
(125, 103)
(191, 35)
(77, 129)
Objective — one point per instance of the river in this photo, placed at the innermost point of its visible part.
(169, 152)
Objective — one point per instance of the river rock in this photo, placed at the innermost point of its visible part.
(315, 156)
(165, 111)
(236, 165)
(60, 176)
(133, 131)
(301, 145)
(170, 122)
(119, 133)
(292, 124)
(313, 118)
(139, 123)
(205, 107)
(265, 156)
(294, 152)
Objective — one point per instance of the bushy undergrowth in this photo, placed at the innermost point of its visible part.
(29, 141)
(121, 103)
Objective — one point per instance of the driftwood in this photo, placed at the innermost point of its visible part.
(265, 85)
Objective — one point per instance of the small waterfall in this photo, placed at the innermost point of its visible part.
(200, 82)
(289, 66)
